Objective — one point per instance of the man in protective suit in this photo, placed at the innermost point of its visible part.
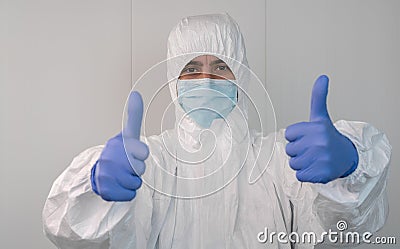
(196, 191)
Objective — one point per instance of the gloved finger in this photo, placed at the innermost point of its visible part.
(291, 149)
(303, 161)
(109, 188)
(296, 147)
(136, 148)
(138, 166)
(315, 173)
(319, 95)
(120, 195)
(112, 146)
(135, 114)
(307, 174)
(297, 130)
(129, 181)
(303, 175)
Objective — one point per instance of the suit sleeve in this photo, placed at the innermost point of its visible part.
(359, 200)
(75, 217)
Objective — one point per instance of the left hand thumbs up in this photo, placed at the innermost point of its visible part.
(318, 152)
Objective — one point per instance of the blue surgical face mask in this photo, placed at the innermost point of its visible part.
(207, 99)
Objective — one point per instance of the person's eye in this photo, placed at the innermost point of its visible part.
(222, 68)
(189, 70)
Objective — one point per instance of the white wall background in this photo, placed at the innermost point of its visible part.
(64, 79)
(65, 73)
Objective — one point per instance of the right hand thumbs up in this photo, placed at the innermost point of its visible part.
(116, 174)
(131, 131)
(135, 114)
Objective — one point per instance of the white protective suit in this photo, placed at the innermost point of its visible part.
(230, 212)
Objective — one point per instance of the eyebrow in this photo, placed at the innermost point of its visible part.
(217, 62)
(198, 63)
(195, 63)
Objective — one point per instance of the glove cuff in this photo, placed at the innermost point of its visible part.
(92, 179)
(355, 162)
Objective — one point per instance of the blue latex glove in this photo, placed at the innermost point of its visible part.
(113, 177)
(319, 153)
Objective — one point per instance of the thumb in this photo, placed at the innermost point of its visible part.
(319, 110)
(135, 114)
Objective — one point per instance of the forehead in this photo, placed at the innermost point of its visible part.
(206, 60)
